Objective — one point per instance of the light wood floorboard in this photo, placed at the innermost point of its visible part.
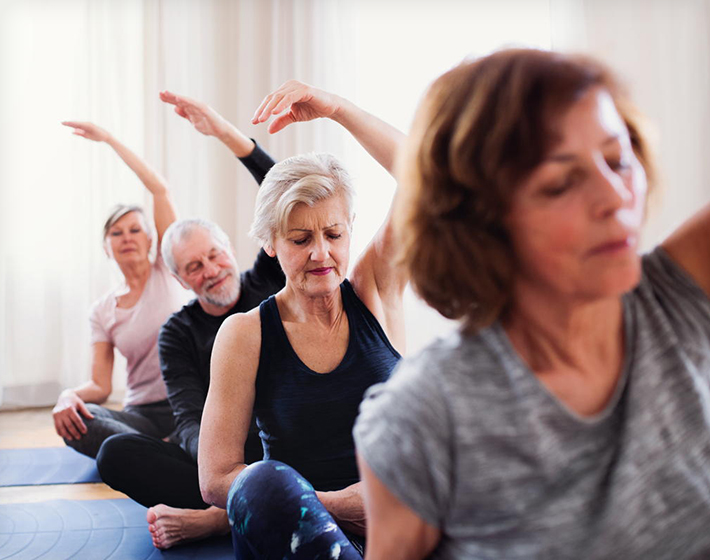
(22, 429)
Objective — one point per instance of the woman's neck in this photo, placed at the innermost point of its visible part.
(136, 274)
(553, 334)
(298, 307)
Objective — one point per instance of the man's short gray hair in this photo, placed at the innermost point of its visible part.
(182, 229)
(306, 179)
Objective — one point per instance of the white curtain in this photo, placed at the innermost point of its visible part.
(60, 60)
(105, 61)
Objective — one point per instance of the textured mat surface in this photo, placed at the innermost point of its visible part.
(46, 465)
(92, 529)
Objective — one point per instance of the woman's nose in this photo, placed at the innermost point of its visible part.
(319, 251)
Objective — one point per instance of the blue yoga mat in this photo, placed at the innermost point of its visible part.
(92, 529)
(48, 465)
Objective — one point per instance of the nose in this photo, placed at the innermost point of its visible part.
(319, 252)
(612, 192)
(210, 269)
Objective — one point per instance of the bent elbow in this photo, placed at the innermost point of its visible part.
(211, 491)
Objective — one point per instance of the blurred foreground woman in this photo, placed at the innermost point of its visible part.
(570, 416)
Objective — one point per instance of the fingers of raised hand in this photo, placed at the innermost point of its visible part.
(169, 97)
(278, 97)
(281, 122)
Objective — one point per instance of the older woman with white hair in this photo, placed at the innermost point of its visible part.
(304, 359)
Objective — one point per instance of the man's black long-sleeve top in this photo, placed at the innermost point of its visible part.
(186, 339)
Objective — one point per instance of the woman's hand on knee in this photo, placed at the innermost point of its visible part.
(67, 415)
(304, 103)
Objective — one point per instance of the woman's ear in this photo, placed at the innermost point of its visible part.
(269, 250)
(107, 248)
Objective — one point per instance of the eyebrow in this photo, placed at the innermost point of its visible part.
(564, 158)
(310, 230)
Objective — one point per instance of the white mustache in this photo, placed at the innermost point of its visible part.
(217, 280)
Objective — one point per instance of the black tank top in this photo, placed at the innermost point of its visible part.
(306, 418)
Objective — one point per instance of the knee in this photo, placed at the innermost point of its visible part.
(111, 458)
(265, 482)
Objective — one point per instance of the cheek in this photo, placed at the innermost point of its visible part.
(547, 239)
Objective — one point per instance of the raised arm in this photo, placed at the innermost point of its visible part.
(164, 212)
(689, 246)
(210, 123)
(377, 278)
(295, 102)
(229, 405)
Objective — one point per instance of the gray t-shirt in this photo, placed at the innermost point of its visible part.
(470, 440)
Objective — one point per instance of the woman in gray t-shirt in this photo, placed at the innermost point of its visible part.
(570, 416)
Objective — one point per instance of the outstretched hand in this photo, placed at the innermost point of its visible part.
(203, 117)
(88, 130)
(302, 103)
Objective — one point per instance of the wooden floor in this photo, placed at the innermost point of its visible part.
(34, 428)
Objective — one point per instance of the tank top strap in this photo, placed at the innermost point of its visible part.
(274, 341)
(361, 319)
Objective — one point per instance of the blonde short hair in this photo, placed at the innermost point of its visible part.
(305, 179)
(120, 210)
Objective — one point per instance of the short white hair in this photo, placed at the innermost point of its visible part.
(306, 179)
(182, 229)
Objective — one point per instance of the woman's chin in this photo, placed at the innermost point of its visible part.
(321, 285)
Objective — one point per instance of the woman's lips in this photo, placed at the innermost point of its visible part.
(320, 271)
(616, 246)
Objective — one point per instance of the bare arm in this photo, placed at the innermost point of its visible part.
(346, 507)
(70, 407)
(229, 404)
(210, 123)
(377, 278)
(164, 212)
(394, 532)
(689, 246)
(305, 103)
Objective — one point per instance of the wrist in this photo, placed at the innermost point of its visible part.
(343, 109)
(240, 145)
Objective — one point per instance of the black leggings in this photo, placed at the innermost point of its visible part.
(151, 471)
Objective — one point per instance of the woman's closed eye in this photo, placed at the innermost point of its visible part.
(558, 188)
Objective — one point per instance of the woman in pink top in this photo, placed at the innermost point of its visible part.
(128, 318)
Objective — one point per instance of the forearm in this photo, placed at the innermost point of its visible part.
(238, 143)
(189, 434)
(152, 180)
(90, 392)
(164, 212)
(347, 507)
(381, 140)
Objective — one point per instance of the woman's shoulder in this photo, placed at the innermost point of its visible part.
(459, 363)
(238, 342)
(242, 324)
(667, 296)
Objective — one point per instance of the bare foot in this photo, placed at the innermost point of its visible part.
(169, 526)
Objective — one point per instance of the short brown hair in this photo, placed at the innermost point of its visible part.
(479, 132)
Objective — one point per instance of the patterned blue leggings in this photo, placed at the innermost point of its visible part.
(275, 514)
